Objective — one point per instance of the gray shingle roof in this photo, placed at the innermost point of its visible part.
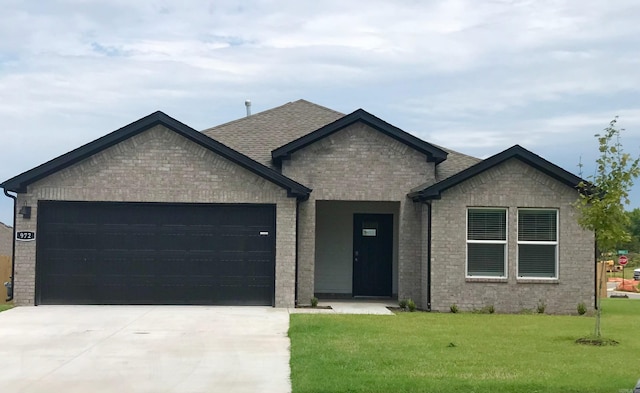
(257, 135)
(454, 163)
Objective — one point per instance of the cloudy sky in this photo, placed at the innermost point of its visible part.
(474, 76)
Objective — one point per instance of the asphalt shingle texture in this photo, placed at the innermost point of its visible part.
(257, 135)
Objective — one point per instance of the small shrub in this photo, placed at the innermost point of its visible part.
(582, 309)
(314, 302)
(403, 304)
(411, 305)
(454, 308)
(485, 310)
(541, 307)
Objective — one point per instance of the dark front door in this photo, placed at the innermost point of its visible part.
(372, 254)
(155, 253)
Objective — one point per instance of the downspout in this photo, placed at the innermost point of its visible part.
(13, 245)
(295, 296)
(429, 257)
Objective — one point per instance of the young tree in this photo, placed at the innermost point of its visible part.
(602, 199)
(634, 229)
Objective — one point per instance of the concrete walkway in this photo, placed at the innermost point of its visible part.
(376, 307)
(144, 349)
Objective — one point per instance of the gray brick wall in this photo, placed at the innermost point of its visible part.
(512, 185)
(159, 165)
(359, 163)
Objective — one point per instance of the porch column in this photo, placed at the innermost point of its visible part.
(424, 258)
(410, 252)
(285, 253)
(306, 250)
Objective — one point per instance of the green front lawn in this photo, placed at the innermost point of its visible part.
(442, 352)
(5, 307)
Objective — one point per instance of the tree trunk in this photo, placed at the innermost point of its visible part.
(597, 331)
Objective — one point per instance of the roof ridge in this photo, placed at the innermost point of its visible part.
(270, 110)
(319, 106)
(243, 118)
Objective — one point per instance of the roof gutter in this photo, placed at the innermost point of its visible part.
(13, 245)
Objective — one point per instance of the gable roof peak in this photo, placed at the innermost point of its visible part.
(19, 183)
(516, 151)
(433, 153)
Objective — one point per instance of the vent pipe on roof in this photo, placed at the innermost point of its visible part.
(247, 103)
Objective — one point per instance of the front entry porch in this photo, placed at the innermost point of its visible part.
(356, 253)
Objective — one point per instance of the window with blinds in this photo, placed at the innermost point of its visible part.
(537, 243)
(486, 242)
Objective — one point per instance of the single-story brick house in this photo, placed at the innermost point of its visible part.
(296, 202)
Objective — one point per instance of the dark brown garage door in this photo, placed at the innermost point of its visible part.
(155, 253)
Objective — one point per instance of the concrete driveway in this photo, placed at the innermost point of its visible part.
(144, 349)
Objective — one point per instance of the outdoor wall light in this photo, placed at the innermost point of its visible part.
(25, 211)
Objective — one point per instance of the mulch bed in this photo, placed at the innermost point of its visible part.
(596, 341)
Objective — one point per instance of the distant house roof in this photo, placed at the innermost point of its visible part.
(518, 152)
(6, 240)
(257, 135)
(20, 182)
(433, 153)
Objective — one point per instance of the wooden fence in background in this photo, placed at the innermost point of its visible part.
(5, 274)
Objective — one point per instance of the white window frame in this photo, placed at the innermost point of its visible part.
(503, 242)
(541, 243)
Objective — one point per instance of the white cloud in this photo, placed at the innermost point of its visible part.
(475, 76)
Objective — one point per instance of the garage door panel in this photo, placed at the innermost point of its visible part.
(134, 253)
(74, 263)
(81, 236)
(127, 236)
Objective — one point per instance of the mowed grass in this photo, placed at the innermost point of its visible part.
(442, 352)
(5, 307)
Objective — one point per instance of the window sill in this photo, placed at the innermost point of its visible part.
(486, 279)
(525, 280)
